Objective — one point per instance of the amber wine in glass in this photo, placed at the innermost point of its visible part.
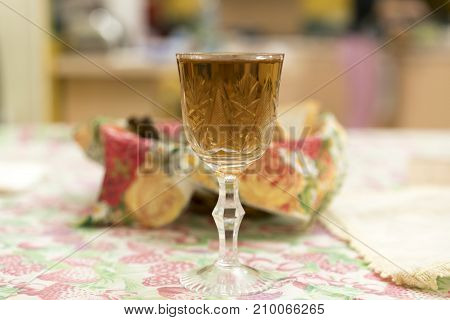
(229, 103)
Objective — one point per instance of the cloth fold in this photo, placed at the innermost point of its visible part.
(403, 234)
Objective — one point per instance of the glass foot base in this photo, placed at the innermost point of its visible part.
(232, 281)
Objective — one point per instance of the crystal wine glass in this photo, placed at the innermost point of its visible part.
(229, 103)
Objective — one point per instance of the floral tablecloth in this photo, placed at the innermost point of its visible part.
(38, 232)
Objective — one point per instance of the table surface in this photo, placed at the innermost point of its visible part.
(38, 232)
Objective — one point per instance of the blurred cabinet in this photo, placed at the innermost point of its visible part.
(261, 16)
(425, 89)
(381, 91)
(115, 85)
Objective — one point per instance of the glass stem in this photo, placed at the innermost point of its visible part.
(228, 215)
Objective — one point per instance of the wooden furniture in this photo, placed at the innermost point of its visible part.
(408, 92)
(119, 84)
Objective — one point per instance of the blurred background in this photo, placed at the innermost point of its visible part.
(68, 61)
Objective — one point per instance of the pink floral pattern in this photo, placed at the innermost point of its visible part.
(161, 280)
(171, 267)
(142, 258)
(72, 275)
(37, 231)
(14, 265)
